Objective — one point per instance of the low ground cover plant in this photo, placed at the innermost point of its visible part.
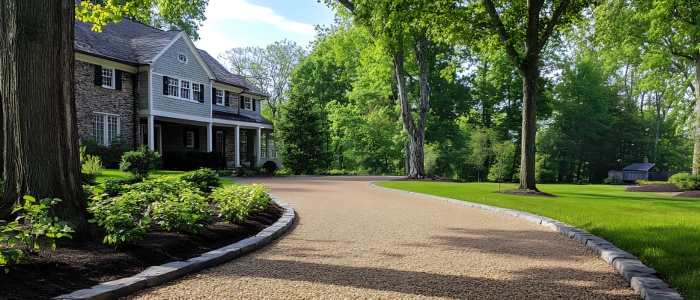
(649, 182)
(32, 225)
(124, 218)
(236, 202)
(186, 212)
(90, 166)
(612, 181)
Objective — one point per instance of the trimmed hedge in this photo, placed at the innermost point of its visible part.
(192, 160)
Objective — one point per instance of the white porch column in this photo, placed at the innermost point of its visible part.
(209, 137)
(238, 146)
(151, 133)
(259, 146)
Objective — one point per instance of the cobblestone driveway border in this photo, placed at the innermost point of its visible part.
(173, 270)
(642, 279)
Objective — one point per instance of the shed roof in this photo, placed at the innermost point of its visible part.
(639, 167)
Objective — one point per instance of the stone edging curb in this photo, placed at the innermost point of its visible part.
(642, 279)
(160, 274)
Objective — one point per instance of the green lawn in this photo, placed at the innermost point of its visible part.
(663, 231)
(111, 173)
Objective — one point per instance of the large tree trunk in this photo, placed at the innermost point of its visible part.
(696, 150)
(530, 75)
(416, 133)
(39, 116)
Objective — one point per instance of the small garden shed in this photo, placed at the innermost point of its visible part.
(640, 171)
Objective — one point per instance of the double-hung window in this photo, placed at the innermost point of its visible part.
(263, 147)
(190, 139)
(220, 97)
(105, 128)
(173, 87)
(196, 91)
(185, 89)
(107, 77)
(247, 103)
(220, 142)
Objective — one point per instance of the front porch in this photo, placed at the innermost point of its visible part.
(247, 145)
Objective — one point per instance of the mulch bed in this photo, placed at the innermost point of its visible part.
(434, 179)
(655, 188)
(689, 194)
(520, 192)
(78, 264)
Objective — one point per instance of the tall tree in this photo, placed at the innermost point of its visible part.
(387, 21)
(269, 68)
(184, 15)
(40, 155)
(36, 80)
(524, 29)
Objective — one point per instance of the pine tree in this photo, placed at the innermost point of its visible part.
(302, 133)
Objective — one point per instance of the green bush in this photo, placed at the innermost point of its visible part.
(249, 173)
(283, 172)
(685, 181)
(110, 156)
(236, 202)
(32, 224)
(155, 189)
(224, 172)
(125, 218)
(115, 186)
(140, 162)
(90, 165)
(204, 179)
(269, 167)
(185, 212)
(648, 182)
(612, 181)
(337, 172)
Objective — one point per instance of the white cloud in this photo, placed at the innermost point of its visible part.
(243, 11)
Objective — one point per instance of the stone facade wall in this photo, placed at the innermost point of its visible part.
(90, 99)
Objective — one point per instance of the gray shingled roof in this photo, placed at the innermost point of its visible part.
(224, 76)
(639, 167)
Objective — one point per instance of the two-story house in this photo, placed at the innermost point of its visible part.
(154, 87)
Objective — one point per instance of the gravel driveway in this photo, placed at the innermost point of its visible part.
(357, 242)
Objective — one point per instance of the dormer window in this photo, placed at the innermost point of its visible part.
(182, 58)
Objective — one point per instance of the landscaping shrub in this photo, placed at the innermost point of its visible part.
(249, 173)
(110, 156)
(269, 167)
(685, 181)
(612, 181)
(155, 189)
(124, 218)
(32, 224)
(140, 162)
(283, 171)
(185, 212)
(337, 172)
(90, 165)
(648, 182)
(224, 172)
(236, 202)
(192, 160)
(204, 179)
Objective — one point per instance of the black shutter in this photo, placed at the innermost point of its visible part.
(98, 75)
(118, 80)
(196, 138)
(242, 103)
(226, 98)
(254, 101)
(165, 86)
(201, 93)
(213, 95)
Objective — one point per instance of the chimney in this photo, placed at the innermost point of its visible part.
(646, 160)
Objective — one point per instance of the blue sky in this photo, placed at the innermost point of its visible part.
(242, 23)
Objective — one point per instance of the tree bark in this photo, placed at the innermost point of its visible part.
(416, 132)
(530, 76)
(39, 116)
(696, 148)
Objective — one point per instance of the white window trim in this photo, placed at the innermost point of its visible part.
(187, 59)
(113, 85)
(223, 97)
(251, 103)
(188, 139)
(105, 126)
(179, 91)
